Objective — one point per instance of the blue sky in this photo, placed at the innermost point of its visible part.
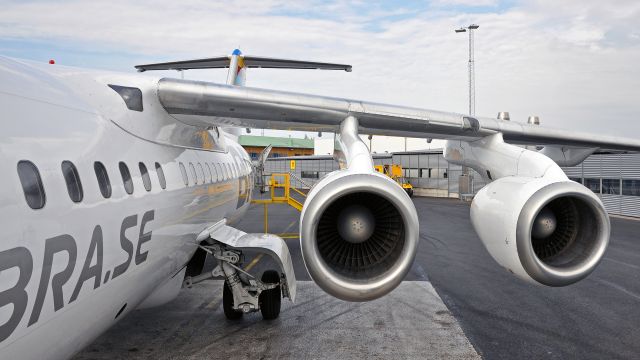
(573, 63)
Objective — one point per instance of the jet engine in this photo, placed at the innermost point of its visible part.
(358, 234)
(547, 232)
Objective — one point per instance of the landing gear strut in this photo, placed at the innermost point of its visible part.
(242, 292)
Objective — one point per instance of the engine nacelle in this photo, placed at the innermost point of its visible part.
(358, 234)
(547, 232)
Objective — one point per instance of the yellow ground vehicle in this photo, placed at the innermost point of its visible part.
(395, 172)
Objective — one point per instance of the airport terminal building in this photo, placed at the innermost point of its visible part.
(614, 177)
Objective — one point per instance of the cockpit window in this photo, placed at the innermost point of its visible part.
(71, 177)
(132, 96)
(31, 184)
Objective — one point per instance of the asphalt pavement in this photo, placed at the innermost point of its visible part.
(501, 316)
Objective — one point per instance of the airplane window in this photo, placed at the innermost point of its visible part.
(31, 184)
(71, 177)
(208, 173)
(226, 171)
(193, 173)
(185, 179)
(161, 179)
(146, 180)
(241, 166)
(126, 178)
(103, 179)
(200, 174)
(216, 171)
(225, 174)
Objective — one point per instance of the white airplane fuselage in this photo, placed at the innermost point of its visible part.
(70, 270)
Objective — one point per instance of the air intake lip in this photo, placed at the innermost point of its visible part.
(578, 243)
(358, 270)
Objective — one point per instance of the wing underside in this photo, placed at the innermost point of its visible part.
(206, 104)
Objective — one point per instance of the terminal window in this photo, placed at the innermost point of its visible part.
(592, 184)
(631, 187)
(611, 186)
(310, 174)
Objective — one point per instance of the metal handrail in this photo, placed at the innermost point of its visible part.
(298, 191)
(293, 175)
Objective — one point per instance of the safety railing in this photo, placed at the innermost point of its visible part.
(280, 192)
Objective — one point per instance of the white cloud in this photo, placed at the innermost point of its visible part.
(472, 3)
(574, 63)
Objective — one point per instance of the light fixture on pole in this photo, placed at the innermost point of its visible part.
(472, 96)
(472, 85)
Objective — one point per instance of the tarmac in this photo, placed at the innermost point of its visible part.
(456, 303)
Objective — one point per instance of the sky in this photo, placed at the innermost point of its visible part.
(576, 64)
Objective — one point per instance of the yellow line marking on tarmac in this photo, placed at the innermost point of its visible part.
(287, 236)
(259, 256)
(253, 262)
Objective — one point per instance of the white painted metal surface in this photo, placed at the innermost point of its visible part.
(71, 270)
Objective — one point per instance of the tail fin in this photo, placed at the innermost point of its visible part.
(237, 69)
(238, 64)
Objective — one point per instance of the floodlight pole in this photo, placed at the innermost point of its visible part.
(472, 75)
(472, 80)
(472, 83)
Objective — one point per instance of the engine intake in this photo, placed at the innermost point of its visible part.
(562, 233)
(358, 234)
(553, 234)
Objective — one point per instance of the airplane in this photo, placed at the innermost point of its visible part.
(117, 186)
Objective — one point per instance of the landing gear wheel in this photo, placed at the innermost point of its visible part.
(271, 299)
(227, 304)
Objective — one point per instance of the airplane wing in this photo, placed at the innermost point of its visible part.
(203, 103)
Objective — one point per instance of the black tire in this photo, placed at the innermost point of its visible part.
(270, 300)
(227, 303)
(410, 193)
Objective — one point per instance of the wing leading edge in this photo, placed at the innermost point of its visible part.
(203, 103)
